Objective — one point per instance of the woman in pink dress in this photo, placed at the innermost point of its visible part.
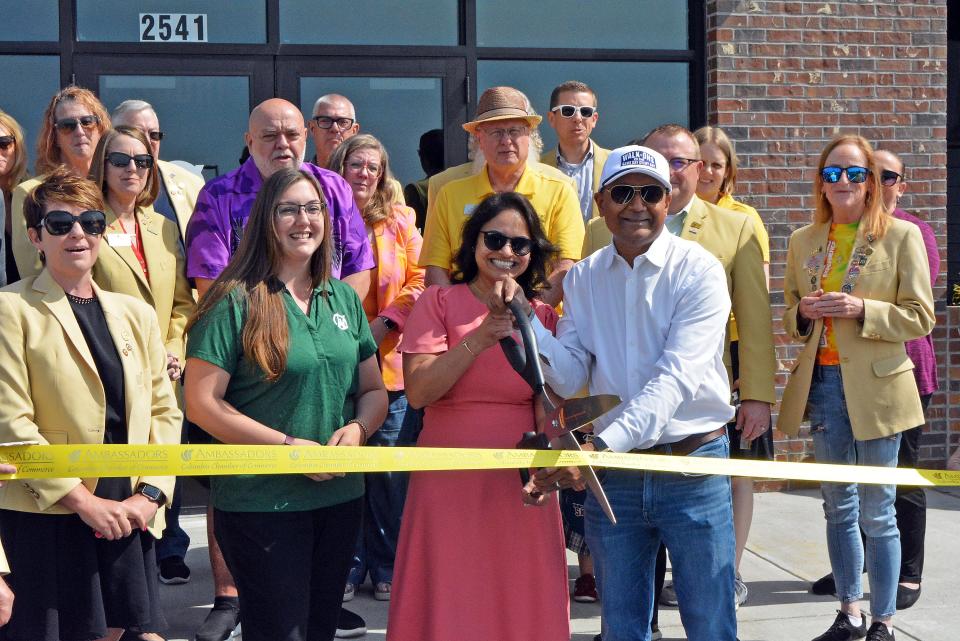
(479, 559)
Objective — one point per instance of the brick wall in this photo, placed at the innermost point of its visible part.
(784, 78)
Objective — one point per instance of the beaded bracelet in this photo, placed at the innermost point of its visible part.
(363, 428)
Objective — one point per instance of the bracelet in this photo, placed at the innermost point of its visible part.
(466, 346)
(363, 428)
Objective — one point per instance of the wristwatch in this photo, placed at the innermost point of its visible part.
(152, 492)
(599, 445)
(389, 323)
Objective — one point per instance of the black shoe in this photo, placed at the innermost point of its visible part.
(824, 586)
(173, 571)
(843, 630)
(350, 625)
(879, 632)
(906, 597)
(221, 621)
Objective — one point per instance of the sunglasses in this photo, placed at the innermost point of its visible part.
(519, 245)
(326, 122)
(122, 160)
(854, 173)
(7, 141)
(60, 223)
(650, 194)
(568, 111)
(156, 136)
(888, 177)
(71, 124)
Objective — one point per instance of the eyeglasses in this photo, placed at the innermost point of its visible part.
(854, 173)
(155, 136)
(6, 142)
(568, 111)
(679, 164)
(513, 133)
(650, 194)
(519, 245)
(289, 211)
(60, 223)
(70, 124)
(122, 160)
(371, 167)
(888, 177)
(326, 122)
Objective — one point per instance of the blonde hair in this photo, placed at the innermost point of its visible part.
(18, 170)
(717, 136)
(380, 206)
(874, 219)
(98, 169)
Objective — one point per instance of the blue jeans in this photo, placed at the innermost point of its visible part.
(693, 516)
(174, 541)
(385, 496)
(844, 504)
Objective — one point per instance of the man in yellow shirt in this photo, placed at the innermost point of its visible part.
(502, 131)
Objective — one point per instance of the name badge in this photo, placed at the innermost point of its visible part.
(120, 240)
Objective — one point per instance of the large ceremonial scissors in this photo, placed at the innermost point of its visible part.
(559, 420)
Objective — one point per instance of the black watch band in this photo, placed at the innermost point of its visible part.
(388, 322)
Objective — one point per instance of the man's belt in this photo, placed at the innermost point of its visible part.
(684, 446)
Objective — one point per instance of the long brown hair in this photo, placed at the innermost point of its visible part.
(874, 219)
(717, 136)
(98, 169)
(250, 278)
(380, 206)
(48, 153)
(19, 168)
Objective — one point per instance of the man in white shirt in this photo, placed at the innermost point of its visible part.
(645, 318)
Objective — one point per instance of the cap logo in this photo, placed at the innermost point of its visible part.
(638, 158)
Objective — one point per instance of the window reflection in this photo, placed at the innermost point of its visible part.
(34, 21)
(377, 22)
(28, 83)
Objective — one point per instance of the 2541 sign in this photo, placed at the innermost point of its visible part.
(173, 27)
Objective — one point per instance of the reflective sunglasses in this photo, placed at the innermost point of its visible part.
(292, 210)
(122, 160)
(568, 111)
(59, 223)
(71, 124)
(7, 141)
(888, 177)
(326, 122)
(854, 173)
(156, 136)
(650, 194)
(519, 245)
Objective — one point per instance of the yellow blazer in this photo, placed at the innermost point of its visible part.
(878, 382)
(731, 237)
(599, 158)
(168, 291)
(182, 188)
(24, 253)
(50, 391)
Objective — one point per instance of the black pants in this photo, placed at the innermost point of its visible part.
(290, 568)
(911, 506)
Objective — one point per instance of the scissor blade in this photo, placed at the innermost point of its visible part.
(579, 412)
(568, 441)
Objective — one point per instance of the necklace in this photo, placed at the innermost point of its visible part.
(79, 300)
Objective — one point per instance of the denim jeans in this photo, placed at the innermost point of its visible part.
(174, 541)
(693, 516)
(846, 504)
(385, 496)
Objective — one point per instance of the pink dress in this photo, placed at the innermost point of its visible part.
(473, 563)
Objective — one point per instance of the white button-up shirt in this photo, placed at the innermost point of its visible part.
(653, 334)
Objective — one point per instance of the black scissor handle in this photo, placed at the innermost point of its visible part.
(525, 361)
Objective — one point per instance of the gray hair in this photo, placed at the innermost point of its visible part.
(130, 107)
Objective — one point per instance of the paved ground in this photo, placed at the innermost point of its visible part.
(785, 553)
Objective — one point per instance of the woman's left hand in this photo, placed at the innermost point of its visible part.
(173, 367)
(350, 435)
(140, 511)
(839, 305)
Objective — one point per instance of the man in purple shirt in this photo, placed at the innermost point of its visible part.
(276, 137)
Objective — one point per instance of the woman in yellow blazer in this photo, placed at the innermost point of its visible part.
(141, 254)
(857, 286)
(81, 366)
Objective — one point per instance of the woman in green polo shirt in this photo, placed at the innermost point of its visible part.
(279, 352)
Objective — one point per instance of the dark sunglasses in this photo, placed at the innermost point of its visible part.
(7, 141)
(519, 245)
(888, 177)
(122, 160)
(854, 173)
(156, 136)
(71, 124)
(59, 223)
(568, 111)
(650, 194)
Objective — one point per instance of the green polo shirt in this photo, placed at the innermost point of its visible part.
(311, 399)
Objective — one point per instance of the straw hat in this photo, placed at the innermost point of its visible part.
(501, 103)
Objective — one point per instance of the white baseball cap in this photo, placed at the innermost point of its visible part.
(634, 159)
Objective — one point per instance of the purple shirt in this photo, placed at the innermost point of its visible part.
(223, 207)
(920, 350)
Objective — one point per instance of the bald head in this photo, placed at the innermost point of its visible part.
(334, 120)
(892, 184)
(275, 136)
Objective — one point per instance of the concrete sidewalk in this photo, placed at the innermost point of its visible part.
(787, 551)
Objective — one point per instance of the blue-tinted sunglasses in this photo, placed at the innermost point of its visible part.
(854, 174)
